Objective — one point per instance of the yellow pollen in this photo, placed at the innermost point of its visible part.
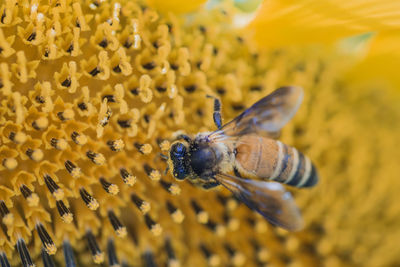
(178, 216)
(99, 159)
(98, 258)
(93, 204)
(202, 217)
(58, 194)
(155, 175)
(121, 232)
(62, 144)
(113, 189)
(37, 155)
(173, 263)
(20, 138)
(76, 172)
(10, 163)
(8, 219)
(146, 149)
(33, 200)
(51, 249)
(130, 180)
(156, 229)
(214, 260)
(238, 259)
(263, 255)
(67, 217)
(165, 145)
(118, 145)
(174, 189)
(41, 123)
(145, 207)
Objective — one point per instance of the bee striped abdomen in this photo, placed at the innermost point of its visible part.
(293, 168)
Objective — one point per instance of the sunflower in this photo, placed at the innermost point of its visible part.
(93, 92)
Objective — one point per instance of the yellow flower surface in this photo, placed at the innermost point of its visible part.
(92, 92)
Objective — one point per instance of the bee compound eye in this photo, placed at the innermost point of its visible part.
(179, 149)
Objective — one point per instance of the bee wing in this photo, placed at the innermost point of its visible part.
(267, 116)
(270, 199)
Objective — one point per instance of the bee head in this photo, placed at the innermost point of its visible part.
(179, 159)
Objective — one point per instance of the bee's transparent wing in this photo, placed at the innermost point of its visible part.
(267, 116)
(270, 199)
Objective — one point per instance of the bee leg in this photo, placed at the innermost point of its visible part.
(217, 112)
(184, 137)
(237, 173)
(209, 185)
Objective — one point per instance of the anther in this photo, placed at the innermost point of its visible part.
(3, 260)
(117, 69)
(54, 189)
(79, 139)
(124, 123)
(112, 255)
(8, 218)
(190, 88)
(34, 154)
(26, 259)
(172, 261)
(218, 229)
(60, 144)
(40, 99)
(232, 223)
(40, 123)
(82, 106)
(104, 121)
(103, 43)
(31, 198)
(64, 212)
(65, 115)
(236, 257)
(94, 71)
(152, 173)
(128, 178)
(176, 214)
(18, 137)
(213, 259)
(170, 187)
(143, 148)
(97, 254)
(119, 229)
(47, 259)
(47, 242)
(66, 82)
(31, 37)
(72, 169)
(116, 145)
(69, 258)
(142, 205)
(10, 163)
(148, 259)
(96, 158)
(109, 187)
(149, 66)
(90, 201)
(201, 215)
(154, 227)
(110, 98)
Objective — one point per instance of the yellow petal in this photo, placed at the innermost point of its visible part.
(176, 6)
(285, 22)
(382, 62)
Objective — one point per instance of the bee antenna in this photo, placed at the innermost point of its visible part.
(163, 157)
(166, 170)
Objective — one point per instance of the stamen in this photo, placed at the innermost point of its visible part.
(90, 201)
(79, 139)
(54, 189)
(112, 255)
(68, 254)
(47, 242)
(170, 187)
(109, 187)
(218, 229)
(32, 198)
(116, 224)
(72, 169)
(40, 123)
(26, 259)
(236, 257)
(60, 144)
(128, 178)
(154, 227)
(8, 218)
(152, 173)
(172, 261)
(201, 215)
(47, 259)
(142, 205)
(66, 115)
(176, 214)
(18, 138)
(143, 148)
(96, 158)
(97, 254)
(3, 260)
(116, 145)
(10, 163)
(212, 259)
(64, 212)
(34, 154)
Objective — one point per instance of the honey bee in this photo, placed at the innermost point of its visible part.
(243, 155)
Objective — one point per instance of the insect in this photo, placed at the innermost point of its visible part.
(244, 157)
